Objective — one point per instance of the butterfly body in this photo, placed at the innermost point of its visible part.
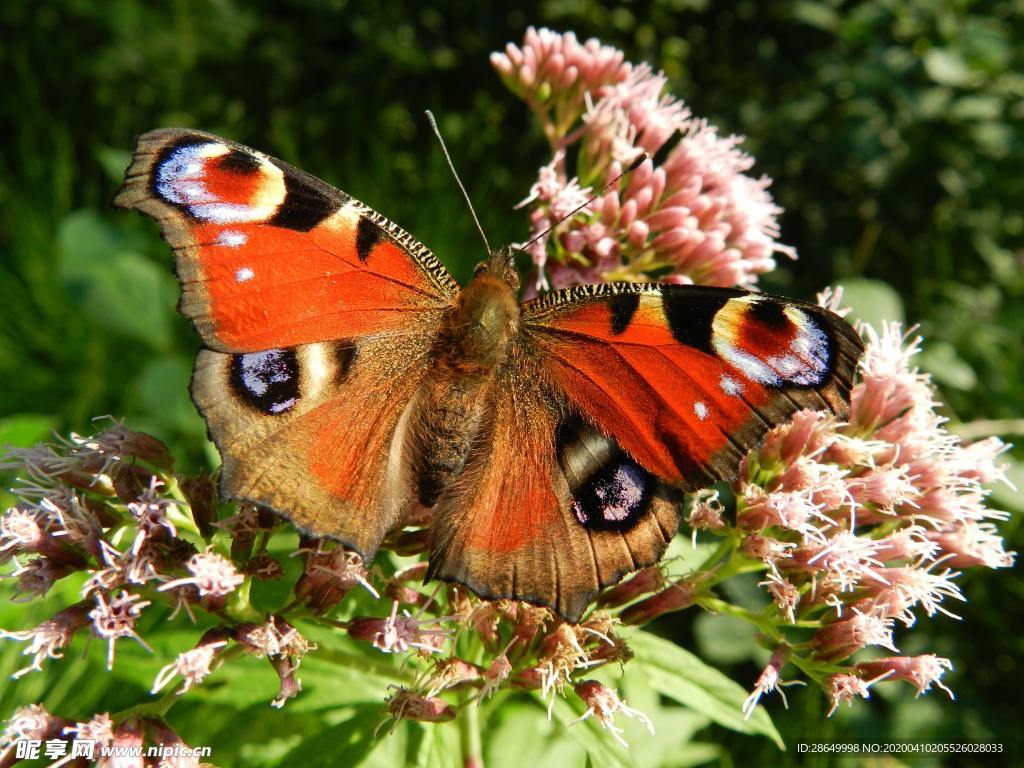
(351, 385)
(479, 329)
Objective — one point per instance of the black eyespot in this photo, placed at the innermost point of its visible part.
(267, 381)
(614, 497)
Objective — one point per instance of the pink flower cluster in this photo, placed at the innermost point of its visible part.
(109, 508)
(687, 213)
(858, 526)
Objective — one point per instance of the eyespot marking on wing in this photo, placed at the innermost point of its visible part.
(214, 183)
(267, 381)
(608, 490)
(614, 497)
(771, 343)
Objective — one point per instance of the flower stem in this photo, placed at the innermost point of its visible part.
(469, 730)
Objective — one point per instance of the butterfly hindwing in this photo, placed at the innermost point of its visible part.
(547, 509)
(687, 379)
(270, 257)
(318, 432)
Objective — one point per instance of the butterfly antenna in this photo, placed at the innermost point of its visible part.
(437, 132)
(632, 167)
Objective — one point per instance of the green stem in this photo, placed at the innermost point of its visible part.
(469, 730)
(717, 605)
(156, 708)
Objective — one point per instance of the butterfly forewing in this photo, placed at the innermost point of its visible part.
(271, 257)
(687, 378)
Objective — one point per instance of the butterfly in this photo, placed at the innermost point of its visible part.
(350, 384)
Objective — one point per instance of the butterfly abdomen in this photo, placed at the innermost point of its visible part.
(474, 343)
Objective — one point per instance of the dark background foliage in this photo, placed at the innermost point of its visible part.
(892, 130)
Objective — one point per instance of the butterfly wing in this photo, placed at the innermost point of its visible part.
(689, 378)
(271, 257)
(547, 509)
(319, 317)
(643, 389)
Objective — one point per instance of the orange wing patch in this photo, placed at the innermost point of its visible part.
(271, 257)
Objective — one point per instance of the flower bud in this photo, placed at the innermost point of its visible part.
(677, 596)
(642, 582)
(919, 671)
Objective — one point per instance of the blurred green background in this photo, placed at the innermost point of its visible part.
(892, 129)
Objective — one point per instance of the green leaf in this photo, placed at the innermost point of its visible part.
(432, 745)
(504, 746)
(940, 359)
(120, 289)
(725, 639)
(346, 743)
(1004, 496)
(946, 67)
(872, 301)
(696, 753)
(114, 160)
(162, 388)
(684, 678)
(25, 429)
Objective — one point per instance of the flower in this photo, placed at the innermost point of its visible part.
(192, 666)
(919, 671)
(397, 634)
(114, 618)
(770, 680)
(694, 216)
(212, 574)
(405, 704)
(48, 639)
(329, 575)
(843, 688)
(150, 513)
(603, 703)
(26, 723)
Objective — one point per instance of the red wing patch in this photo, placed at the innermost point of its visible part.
(271, 257)
(685, 378)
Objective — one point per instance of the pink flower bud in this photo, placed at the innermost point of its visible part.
(675, 597)
(919, 671)
(843, 688)
(603, 703)
(407, 705)
(644, 581)
(838, 640)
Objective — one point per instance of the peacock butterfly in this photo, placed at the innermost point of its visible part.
(349, 382)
